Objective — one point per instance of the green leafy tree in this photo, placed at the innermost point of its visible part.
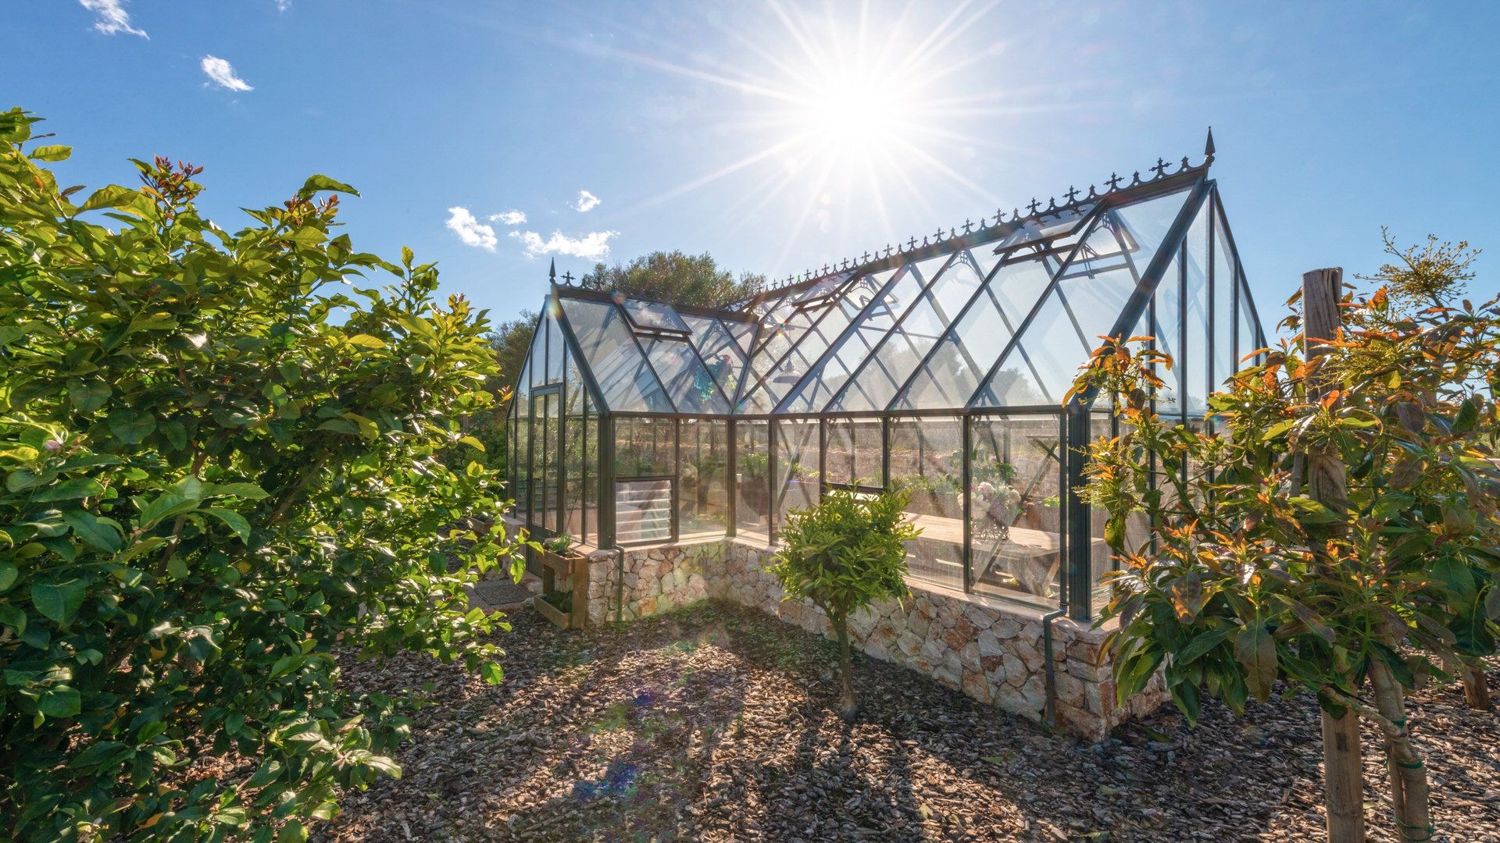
(1334, 526)
(225, 457)
(842, 555)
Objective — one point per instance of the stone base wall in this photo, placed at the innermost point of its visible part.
(990, 650)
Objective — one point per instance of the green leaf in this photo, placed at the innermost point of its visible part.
(319, 182)
(1255, 650)
(59, 602)
(234, 520)
(130, 426)
(367, 341)
(293, 832)
(1201, 644)
(492, 673)
(8, 576)
(88, 397)
(78, 487)
(101, 533)
(1455, 578)
(52, 152)
(109, 196)
(60, 701)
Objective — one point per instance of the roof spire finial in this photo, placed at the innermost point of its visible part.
(552, 271)
(1208, 148)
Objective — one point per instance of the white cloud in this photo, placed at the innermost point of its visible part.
(222, 74)
(470, 230)
(508, 217)
(283, 5)
(111, 17)
(586, 202)
(591, 246)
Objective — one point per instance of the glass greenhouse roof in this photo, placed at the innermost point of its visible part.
(997, 316)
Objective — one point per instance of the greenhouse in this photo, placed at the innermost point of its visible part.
(940, 365)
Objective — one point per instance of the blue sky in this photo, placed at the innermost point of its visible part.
(778, 137)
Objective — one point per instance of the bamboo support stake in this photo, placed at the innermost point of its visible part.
(1343, 765)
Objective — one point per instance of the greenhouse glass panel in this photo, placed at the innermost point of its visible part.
(875, 321)
(645, 468)
(1167, 336)
(689, 383)
(831, 322)
(927, 463)
(1223, 289)
(1015, 506)
(952, 374)
(1195, 312)
(654, 316)
(1250, 337)
(704, 478)
(854, 454)
(752, 479)
(554, 348)
(591, 472)
(1085, 302)
(613, 355)
(908, 344)
(797, 467)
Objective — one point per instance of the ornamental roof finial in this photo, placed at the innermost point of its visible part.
(552, 271)
(1208, 148)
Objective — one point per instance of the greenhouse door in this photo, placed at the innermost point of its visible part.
(542, 460)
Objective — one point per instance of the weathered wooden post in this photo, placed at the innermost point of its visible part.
(1343, 766)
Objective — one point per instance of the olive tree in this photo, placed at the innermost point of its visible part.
(1333, 523)
(841, 555)
(226, 457)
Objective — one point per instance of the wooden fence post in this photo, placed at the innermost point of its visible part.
(1343, 764)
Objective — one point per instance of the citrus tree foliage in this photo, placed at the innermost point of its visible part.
(843, 554)
(223, 457)
(1249, 576)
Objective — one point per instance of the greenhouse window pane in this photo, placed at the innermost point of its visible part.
(1249, 335)
(1223, 310)
(854, 453)
(703, 493)
(1015, 510)
(797, 467)
(752, 480)
(1168, 337)
(830, 324)
(908, 343)
(1195, 350)
(654, 316)
(687, 380)
(972, 346)
(882, 310)
(554, 348)
(927, 463)
(611, 353)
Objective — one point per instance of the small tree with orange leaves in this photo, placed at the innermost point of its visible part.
(1355, 596)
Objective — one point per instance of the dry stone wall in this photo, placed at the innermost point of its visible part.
(990, 650)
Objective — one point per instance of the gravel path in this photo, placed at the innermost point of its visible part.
(718, 723)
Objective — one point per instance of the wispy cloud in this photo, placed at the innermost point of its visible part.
(221, 73)
(111, 18)
(586, 202)
(508, 217)
(591, 246)
(283, 5)
(470, 230)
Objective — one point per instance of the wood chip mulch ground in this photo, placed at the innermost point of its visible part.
(718, 723)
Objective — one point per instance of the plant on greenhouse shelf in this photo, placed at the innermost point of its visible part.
(227, 457)
(1345, 542)
(842, 555)
(998, 504)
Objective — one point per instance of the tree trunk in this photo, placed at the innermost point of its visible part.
(847, 706)
(1408, 775)
(1476, 687)
(1343, 778)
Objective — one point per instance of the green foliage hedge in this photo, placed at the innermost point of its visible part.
(224, 457)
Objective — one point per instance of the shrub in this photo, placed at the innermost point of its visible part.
(223, 458)
(1343, 539)
(843, 554)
